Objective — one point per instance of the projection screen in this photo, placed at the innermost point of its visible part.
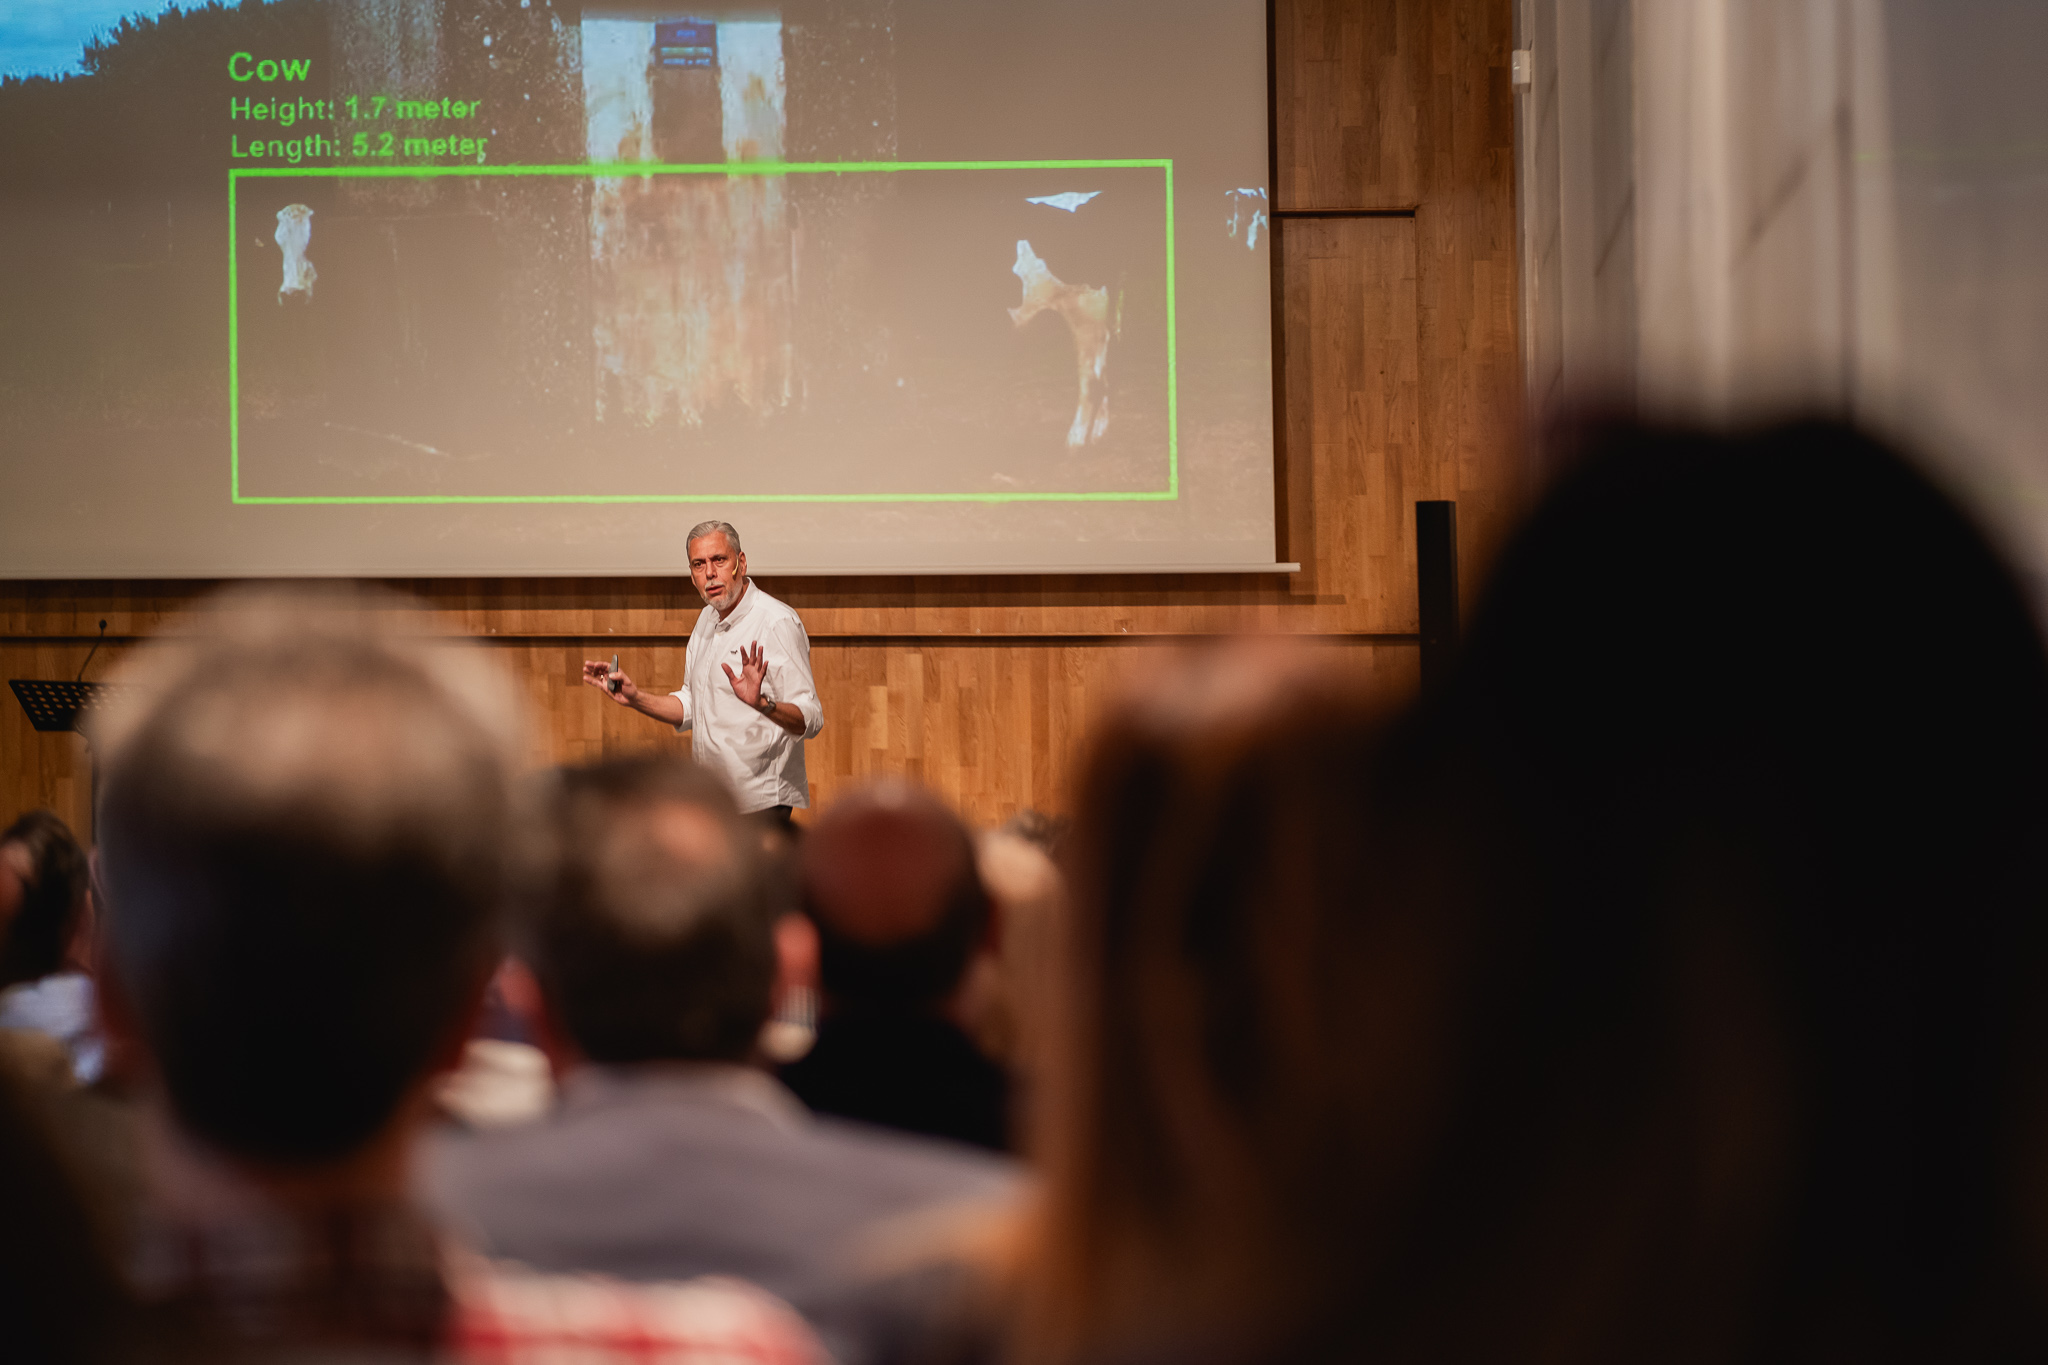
(452, 287)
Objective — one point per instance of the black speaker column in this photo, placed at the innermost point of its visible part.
(1436, 582)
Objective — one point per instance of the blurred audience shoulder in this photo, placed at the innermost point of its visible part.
(889, 876)
(63, 1299)
(304, 816)
(655, 922)
(1248, 1010)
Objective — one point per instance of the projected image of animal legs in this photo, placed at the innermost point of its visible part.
(1087, 312)
(294, 233)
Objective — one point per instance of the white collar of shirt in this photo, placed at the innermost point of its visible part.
(739, 609)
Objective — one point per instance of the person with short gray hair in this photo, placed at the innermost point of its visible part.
(751, 727)
(649, 915)
(722, 528)
(306, 824)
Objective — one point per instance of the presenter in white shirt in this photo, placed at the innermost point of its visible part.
(751, 724)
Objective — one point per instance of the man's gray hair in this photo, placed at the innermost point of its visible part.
(706, 528)
(648, 911)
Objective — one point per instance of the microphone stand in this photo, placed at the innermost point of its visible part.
(90, 652)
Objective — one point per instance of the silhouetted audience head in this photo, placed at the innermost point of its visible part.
(888, 876)
(302, 839)
(1667, 985)
(650, 924)
(1736, 807)
(42, 896)
(1213, 1117)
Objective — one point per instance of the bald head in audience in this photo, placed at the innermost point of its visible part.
(889, 878)
(890, 881)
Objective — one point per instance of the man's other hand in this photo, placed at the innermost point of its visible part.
(599, 675)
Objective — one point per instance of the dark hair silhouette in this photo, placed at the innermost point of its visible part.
(53, 901)
(1742, 780)
(1220, 1104)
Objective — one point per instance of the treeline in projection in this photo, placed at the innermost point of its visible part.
(513, 286)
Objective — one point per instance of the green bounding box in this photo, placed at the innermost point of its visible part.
(1169, 492)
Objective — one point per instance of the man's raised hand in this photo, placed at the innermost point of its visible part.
(599, 674)
(746, 684)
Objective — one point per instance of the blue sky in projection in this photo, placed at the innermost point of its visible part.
(43, 37)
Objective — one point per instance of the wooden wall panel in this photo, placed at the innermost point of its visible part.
(993, 726)
(1468, 273)
(1351, 82)
(1354, 404)
(1399, 380)
(51, 770)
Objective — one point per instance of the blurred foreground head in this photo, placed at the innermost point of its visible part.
(1223, 1093)
(1668, 986)
(302, 837)
(889, 878)
(1736, 812)
(650, 922)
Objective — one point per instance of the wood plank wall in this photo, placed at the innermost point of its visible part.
(1398, 379)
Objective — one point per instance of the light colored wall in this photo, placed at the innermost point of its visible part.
(1723, 213)
(1577, 119)
(1969, 175)
(1540, 186)
(1758, 242)
(1740, 207)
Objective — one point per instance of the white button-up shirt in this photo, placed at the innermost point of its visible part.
(763, 762)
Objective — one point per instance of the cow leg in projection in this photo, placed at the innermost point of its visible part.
(294, 232)
(1086, 309)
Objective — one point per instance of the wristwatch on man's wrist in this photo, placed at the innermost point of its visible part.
(764, 703)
